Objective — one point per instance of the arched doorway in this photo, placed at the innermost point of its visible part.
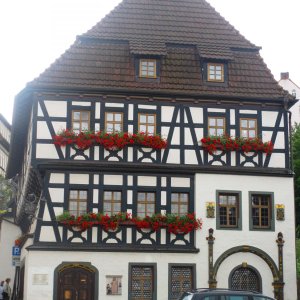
(245, 278)
(75, 282)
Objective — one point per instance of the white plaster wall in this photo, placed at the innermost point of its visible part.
(56, 108)
(8, 234)
(205, 191)
(167, 113)
(47, 151)
(107, 264)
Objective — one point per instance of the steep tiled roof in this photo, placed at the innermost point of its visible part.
(181, 32)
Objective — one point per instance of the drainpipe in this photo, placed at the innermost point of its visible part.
(285, 104)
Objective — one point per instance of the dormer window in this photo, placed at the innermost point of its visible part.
(147, 68)
(215, 72)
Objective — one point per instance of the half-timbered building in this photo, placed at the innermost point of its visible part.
(4, 143)
(179, 70)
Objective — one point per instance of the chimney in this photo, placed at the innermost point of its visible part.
(284, 75)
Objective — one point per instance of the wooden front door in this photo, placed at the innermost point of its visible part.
(76, 283)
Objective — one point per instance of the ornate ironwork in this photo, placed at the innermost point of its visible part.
(181, 280)
(245, 278)
(142, 283)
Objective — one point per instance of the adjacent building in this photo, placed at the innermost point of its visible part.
(287, 84)
(136, 117)
(5, 129)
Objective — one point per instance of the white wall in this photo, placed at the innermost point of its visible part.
(8, 234)
(206, 186)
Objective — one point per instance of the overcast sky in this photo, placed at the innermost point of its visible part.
(36, 32)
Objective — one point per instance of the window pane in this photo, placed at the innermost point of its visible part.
(150, 129)
(109, 127)
(218, 77)
(220, 132)
(252, 133)
(107, 195)
(76, 115)
(212, 131)
(143, 118)
(252, 124)
(107, 207)
(141, 196)
(76, 126)
(150, 196)
(174, 209)
(143, 128)
(84, 126)
(117, 195)
(82, 194)
(212, 121)
(118, 117)
(117, 207)
(151, 119)
(84, 115)
(244, 133)
(244, 123)
(118, 127)
(109, 117)
(220, 122)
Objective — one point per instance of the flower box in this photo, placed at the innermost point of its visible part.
(110, 141)
(226, 143)
(173, 223)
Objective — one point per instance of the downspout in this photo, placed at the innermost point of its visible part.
(285, 104)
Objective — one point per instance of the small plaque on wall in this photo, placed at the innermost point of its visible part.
(40, 279)
(114, 285)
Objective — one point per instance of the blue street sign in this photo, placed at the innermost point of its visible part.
(16, 251)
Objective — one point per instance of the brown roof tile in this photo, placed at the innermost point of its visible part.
(182, 33)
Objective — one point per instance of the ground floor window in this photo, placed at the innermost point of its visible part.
(181, 279)
(245, 278)
(142, 282)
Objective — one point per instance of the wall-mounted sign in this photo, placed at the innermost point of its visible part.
(40, 279)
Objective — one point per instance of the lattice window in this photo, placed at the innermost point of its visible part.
(78, 202)
(181, 280)
(245, 278)
(112, 202)
(142, 283)
(228, 209)
(216, 126)
(179, 203)
(147, 68)
(261, 210)
(80, 120)
(145, 204)
(113, 122)
(215, 72)
(248, 128)
(147, 123)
